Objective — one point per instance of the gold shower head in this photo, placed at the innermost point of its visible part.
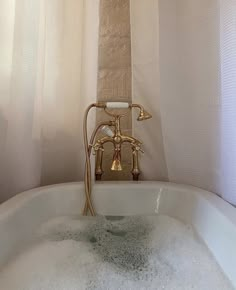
(144, 115)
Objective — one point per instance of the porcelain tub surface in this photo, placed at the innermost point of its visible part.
(213, 219)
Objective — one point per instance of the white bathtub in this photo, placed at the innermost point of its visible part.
(213, 219)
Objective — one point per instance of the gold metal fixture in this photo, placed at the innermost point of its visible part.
(115, 137)
(143, 115)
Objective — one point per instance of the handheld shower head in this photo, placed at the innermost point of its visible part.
(144, 115)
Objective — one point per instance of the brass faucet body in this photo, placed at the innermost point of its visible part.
(117, 140)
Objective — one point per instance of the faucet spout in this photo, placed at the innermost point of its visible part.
(116, 163)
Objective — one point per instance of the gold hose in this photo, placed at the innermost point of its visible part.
(88, 149)
(87, 178)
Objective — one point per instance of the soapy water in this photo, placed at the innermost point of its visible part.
(151, 252)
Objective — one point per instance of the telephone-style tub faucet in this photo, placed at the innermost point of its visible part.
(113, 134)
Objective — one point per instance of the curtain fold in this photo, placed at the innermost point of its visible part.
(45, 84)
(146, 86)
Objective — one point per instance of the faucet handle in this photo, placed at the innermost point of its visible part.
(97, 147)
(137, 147)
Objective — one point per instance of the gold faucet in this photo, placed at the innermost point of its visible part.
(115, 137)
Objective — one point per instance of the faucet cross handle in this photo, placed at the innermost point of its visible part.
(137, 147)
(97, 147)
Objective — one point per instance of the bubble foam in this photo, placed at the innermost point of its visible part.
(156, 252)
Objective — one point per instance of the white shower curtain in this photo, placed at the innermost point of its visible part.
(48, 74)
(183, 55)
(146, 86)
(183, 65)
(228, 98)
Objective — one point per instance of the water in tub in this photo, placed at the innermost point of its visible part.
(139, 252)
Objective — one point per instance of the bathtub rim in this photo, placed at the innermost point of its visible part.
(227, 209)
